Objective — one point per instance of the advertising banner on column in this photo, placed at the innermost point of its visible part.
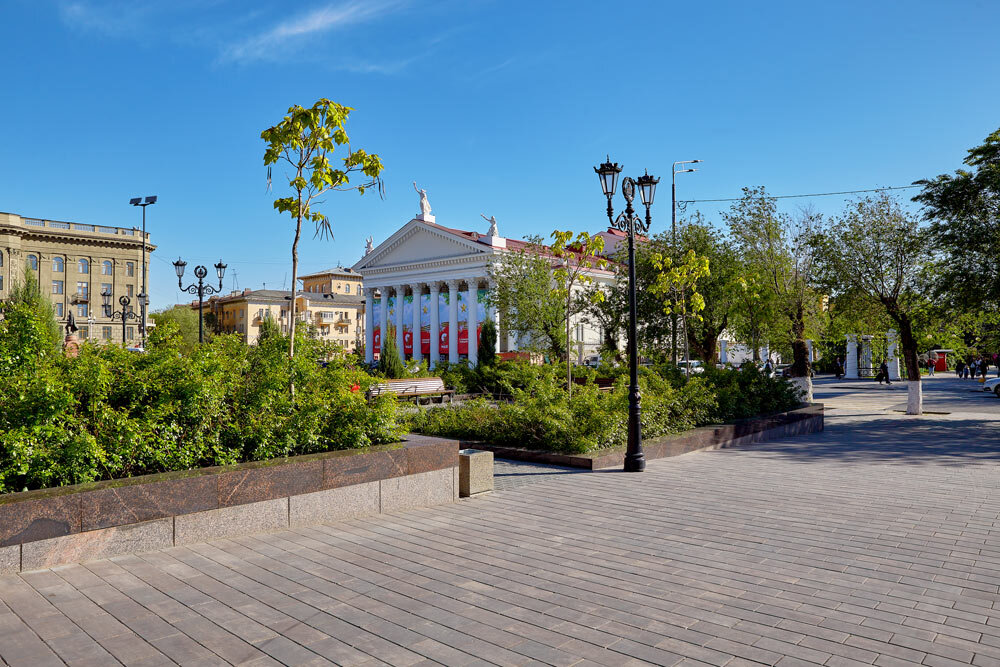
(390, 304)
(377, 325)
(443, 319)
(408, 324)
(425, 324)
(480, 313)
(463, 319)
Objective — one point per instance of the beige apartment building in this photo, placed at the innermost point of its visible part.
(338, 281)
(338, 318)
(74, 263)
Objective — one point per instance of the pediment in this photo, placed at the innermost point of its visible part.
(419, 242)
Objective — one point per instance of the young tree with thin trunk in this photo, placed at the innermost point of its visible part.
(305, 140)
(878, 250)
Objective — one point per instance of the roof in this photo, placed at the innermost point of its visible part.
(336, 271)
(282, 296)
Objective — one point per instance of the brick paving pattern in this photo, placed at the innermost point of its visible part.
(875, 542)
(508, 474)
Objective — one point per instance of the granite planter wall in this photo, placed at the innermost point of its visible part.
(48, 527)
(807, 419)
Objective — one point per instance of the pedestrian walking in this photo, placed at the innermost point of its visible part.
(959, 368)
(838, 367)
(883, 373)
(930, 367)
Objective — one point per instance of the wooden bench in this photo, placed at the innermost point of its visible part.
(604, 384)
(416, 388)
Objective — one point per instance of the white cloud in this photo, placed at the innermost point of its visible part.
(267, 44)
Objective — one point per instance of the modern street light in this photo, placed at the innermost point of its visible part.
(673, 240)
(143, 296)
(201, 289)
(125, 314)
(628, 221)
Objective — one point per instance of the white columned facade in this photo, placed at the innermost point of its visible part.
(369, 324)
(453, 321)
(491, 309)
(473, 319)
(400, 293)
(435, 313)
(383, 318)
(892, 360)
(418, 289)
(851, 365)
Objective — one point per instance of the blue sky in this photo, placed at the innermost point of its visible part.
(499, 108)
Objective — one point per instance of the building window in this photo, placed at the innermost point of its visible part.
(106, 268)
(82, 289)
(130, 332)
(83, 266)
(1, 283)
(81, 310)
(84, 333)
(130, 289)
(1, 259)
(106, 333)
(106, 287)
(33, 262)
(129, 269)
(58, 265)
(57, 287)
(59, 309)
(359, 290)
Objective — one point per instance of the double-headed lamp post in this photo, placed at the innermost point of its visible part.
(629, 222)
(201, 289)
(125, 314)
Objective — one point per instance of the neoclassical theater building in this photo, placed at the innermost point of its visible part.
(429, 283)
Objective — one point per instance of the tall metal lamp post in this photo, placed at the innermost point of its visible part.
(629, 222)
(673, 241)
(125, 314)
(143, 295)
(201, 289)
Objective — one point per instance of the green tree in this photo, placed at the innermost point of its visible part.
(487, 352)
(28, 331)
(529, 308)
(579, 257)
(677, 284)
(755, 319)
(389, 363)
(877, 250)
(964, 210)
(186, 320)
(778, 246)
(305, 139)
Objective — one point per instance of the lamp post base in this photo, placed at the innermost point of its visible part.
(635, 462)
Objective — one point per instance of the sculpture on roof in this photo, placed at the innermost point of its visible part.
(493, 224)
(425, 206)
(369, 244)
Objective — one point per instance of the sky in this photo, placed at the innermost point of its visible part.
(497, 107)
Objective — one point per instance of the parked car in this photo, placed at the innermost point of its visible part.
(992, 385)
(696, 365)
(593, 361)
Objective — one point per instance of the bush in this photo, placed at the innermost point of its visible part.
(111, 413)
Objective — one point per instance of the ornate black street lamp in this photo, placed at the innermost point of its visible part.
(629, 222)
(201, 289)
(143, 296)
(125, 314)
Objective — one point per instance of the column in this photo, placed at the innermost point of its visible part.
(851, 364)
(809, 350)
(491, 309)
(723, 351)
(369, 324)
(384, 317)
(418, 289)
(891, 359)
(453, 321)
(435, 325)
(400, 293)
(473, 320)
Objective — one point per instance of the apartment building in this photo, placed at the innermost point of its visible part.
(74, 263)
(338, 281)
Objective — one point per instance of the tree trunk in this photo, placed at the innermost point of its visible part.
(569, 364)
(914, 397)
(800, 351)
(291, 327)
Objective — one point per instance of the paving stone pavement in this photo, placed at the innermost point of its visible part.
(874, 542)
(509, 474)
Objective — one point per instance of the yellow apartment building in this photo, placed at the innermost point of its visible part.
(339, 281)
(74, 262)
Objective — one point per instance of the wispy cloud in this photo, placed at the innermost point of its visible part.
(112, 18)
(271, 43)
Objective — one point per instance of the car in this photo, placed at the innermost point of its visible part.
(992, 385)
(592, 361)
(696, 365)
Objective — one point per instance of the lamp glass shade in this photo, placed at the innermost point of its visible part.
(647, 188)
(608, 175)
(220, 269)
(179, 267)
(106, 297)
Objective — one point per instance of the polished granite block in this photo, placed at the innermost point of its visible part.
(117, 506)
(274, 479)
(357, 468)
(433, 455)
(94, 544)
(38, 519)
(260, 517)
(346, 502)
(10, 559)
